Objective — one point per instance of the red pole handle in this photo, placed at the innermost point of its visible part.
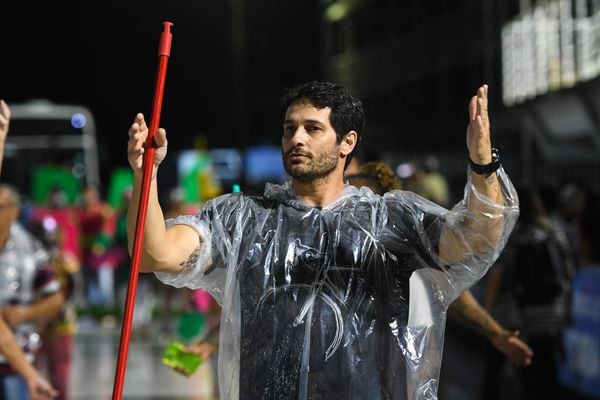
(164, 50)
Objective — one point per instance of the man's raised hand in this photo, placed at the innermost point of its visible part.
(478, 131)
(138, 132)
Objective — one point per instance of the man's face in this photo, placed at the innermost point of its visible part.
(309, 144)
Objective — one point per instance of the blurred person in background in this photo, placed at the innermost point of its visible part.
(376, 175)
(97, 223)
(529, 291)
(589, 229)
(425, 180)
(57, 330)
(563, 205)
(569, 214)
(64, 215)
(10, 349)
(28, 288)
(580, 372)
(314, 276)
(119, 244)
(58, 209)
(208, 347)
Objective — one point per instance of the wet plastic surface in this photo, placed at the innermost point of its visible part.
(347, 301)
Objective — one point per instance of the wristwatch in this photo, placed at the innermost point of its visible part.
(488, 168)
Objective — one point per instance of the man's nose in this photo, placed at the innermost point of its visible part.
(299, 136)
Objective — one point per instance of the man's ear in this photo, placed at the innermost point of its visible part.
(348, 143)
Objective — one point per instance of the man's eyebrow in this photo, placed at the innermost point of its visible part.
(306, 121)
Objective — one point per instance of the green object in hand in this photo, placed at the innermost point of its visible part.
(177, 358)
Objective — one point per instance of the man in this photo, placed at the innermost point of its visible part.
(313, 276)
(28, 290)
(38, 387)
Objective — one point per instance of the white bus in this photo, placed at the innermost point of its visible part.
(46, 135)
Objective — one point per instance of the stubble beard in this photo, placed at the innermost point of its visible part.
(314, 168)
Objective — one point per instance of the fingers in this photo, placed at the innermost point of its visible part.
(205, 353)
(4, 116)
(139, 119)
(181, 371)
(481, 106)
(137, 136)
(485, 96)
(524, 354)
(473, 107)
(138, 132)
(160, 138)
(138, 129)
(4, 110)
(204, 350)
(47, 393)
(482, 102)
(478, 106)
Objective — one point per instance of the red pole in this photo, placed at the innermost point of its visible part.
(164, 51)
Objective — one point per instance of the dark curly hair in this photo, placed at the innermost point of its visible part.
(378, 176)
(346, 109)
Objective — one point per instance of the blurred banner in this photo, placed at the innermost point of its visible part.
(550, 46)
(581, 371)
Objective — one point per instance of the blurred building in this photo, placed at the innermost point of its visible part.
(415, 64)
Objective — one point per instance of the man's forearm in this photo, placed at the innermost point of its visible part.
(467, 309)
(489, 186)
(12, 352)
(487, 223)
(481, 226)
(47, 306)
(154, 231)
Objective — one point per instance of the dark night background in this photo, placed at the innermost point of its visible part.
(103, 55)
(230, 61)
(414, 63)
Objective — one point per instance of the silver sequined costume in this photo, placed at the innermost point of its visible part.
(23, 278)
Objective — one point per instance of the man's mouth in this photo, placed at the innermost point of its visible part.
(296, 155)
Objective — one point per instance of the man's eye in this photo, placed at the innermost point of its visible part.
(289, 129)
(311, 128)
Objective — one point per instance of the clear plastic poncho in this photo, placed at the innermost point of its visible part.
(347, 301)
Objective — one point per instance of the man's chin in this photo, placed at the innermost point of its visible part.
(295, 173)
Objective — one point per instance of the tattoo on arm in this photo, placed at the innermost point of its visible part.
(192, 259)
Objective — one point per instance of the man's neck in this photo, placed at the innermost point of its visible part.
(320, 192)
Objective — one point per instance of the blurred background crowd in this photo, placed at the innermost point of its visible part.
(75, 75)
